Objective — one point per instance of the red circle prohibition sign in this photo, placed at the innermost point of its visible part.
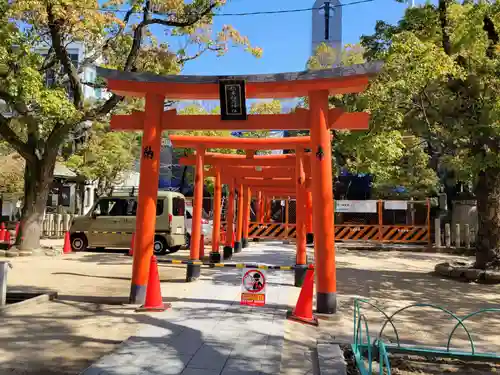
(254, 281)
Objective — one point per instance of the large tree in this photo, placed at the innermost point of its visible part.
(40, 118)
(393, 157)
(441, 83)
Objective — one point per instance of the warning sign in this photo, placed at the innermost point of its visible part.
(253, 287)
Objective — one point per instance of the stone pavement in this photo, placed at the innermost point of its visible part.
(208, 332)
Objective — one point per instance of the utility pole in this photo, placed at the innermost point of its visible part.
(327, 20)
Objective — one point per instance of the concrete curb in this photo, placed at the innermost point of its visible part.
(331, 358)
(35, 300)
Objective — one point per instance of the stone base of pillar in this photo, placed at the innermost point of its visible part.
(237, 247)
(193, 272)
(244, 243)
(300, 274)
(326, 303)
(137, 294)
(309, 238)
(228, 252)
(214, 257)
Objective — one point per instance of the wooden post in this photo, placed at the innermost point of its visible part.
(239, 220)
(467, 236)
(192, 270)
(247, 200)
(300, 219)
(215, 254)
(228, 249)
(437, 232)
(323, 208)
(148, 193)
(429, 238)
(447, 235)
(380, 220)
(457, 235)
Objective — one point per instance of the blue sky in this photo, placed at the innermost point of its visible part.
(286, 37)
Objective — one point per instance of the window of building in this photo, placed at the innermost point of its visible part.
(178, 206)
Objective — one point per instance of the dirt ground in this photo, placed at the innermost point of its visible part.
(88, 319)
(392, 280)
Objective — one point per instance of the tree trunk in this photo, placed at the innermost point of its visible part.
(38, 179)
(488, 211)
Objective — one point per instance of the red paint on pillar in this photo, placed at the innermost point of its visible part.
(301, 256)
(148, 193)
(323, 208)
(239, 212)
(308, 215)
(217, 211)
(247, 199)
(197, 205)
(258, 208)
(230, 215)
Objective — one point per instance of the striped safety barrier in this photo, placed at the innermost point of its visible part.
(388, 233)
(405, 234)
(111, 232)
(271, 230)
(235, 265)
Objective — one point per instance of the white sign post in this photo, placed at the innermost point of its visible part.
(253, 287)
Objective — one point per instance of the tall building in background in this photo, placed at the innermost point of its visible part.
(327, 25)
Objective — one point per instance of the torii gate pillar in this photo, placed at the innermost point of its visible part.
(239, 220)
(215, 254)
(301, 255)
(148, 193)
(322, 191)
(193, 271)
(228, 248)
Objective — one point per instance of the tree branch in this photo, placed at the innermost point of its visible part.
(98, 53)
(443, 20)
(10, 136)
(55, 27)
(492, 34)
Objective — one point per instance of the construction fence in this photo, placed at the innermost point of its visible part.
(365, 220)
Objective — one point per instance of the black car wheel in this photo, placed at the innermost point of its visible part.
(79, 242)
(187, 236)
(160, 246)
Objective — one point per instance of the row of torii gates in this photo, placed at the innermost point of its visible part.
(308, 169)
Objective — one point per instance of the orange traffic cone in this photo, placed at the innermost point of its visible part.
(131, 248)
(154, 302)
(202, 246)
(67, 246)
(7, 238)
(303, 311)
(2, 232)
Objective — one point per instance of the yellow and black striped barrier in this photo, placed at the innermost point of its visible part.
(110, 232)
(235, 265)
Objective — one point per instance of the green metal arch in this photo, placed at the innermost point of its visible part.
(464, 319)
(388, 319)
(459, 321)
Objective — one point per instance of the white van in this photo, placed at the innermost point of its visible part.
(111, 223)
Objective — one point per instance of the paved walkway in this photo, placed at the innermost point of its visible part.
(208, 332)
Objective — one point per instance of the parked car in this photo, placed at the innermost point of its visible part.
(206, 226)
(111, 222)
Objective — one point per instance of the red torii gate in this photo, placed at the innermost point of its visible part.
(319, 119)
(245, 182)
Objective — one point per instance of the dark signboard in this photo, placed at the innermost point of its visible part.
(232, 99)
